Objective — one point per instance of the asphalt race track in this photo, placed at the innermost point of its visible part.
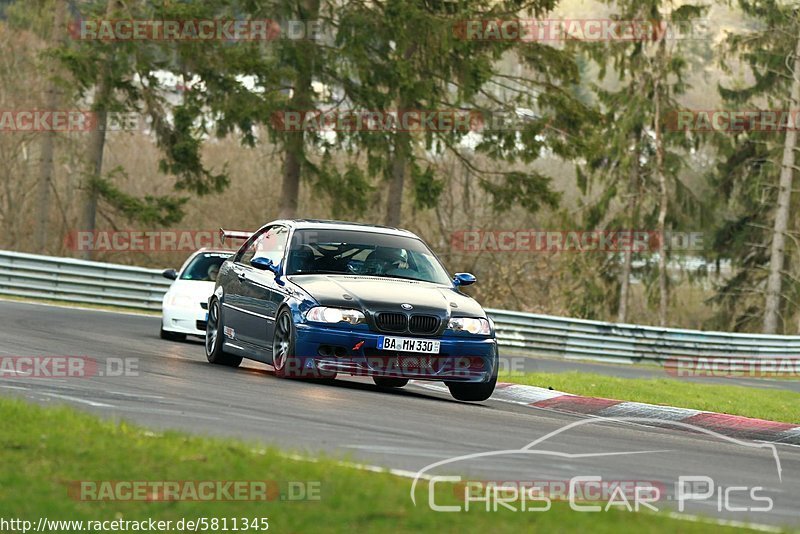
(407, 429)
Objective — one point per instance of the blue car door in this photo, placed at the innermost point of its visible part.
(238, 321)
(262, 291)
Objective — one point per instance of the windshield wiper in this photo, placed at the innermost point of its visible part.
(321, 272)
(401, 277)
(373, 275)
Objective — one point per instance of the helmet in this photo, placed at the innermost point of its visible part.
(384, 259)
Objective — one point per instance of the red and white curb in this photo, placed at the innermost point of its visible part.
(728, 425)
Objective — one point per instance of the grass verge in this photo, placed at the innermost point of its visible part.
(43, 449)
(771, 404)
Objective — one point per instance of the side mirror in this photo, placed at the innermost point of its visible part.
(265, 264)
(464, 279)
(170, 274)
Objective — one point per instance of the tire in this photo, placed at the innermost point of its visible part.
(283, 342)
(389, 382)
(171, 336)
(464, 391)
(284, 360)
(474, 392)
(214, 329)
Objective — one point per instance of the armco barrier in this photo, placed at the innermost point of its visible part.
(82, 282)
(87, 282)
(582, 339)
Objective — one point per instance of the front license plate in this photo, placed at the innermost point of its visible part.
(407, 344)
(206, 316)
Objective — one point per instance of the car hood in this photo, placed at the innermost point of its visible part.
(382, 294)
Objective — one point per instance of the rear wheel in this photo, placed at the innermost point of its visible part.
(214, 329)
(171, 336)
(389, 382)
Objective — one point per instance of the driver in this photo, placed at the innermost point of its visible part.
(385, 259)
(213, 271)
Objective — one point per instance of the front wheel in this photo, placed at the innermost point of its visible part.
(283, 359)
(465, 391)
(214, 329)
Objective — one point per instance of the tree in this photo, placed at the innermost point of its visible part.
(303, 55)
(282, 74)
(756, 174)
(633, 152)
(121, 76)
(385, 57)
(48, 138)
(414, 55)
(781, 224)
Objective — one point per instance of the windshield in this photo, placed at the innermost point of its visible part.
(205, 266)
(352, 252)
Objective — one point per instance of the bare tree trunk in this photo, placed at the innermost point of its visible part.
(292, 168)
(394, 202)
(48, 138)
(400, 157)
(467, 198)
(303, 101)
(777, 253)
(294, 148)
(97, 141)
(632, 210)
(796, 275)
(663, 198)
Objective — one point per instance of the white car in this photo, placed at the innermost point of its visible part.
(185, 304)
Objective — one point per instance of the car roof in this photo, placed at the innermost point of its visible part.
(342, 225)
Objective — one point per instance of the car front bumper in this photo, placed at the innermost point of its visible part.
(191, 321)
(356, 352)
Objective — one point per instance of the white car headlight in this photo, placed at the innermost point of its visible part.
(471, 325)
(322, 314)
(182, 301)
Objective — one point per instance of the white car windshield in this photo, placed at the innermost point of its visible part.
(204, 267)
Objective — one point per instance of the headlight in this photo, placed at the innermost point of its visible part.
(181, 301)
(321, 314)
(471, 325)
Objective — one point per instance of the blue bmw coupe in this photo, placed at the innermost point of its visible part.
(316, 298)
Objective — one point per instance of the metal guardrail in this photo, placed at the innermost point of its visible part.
(86, 282)
(83, 282)
(582, 339)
